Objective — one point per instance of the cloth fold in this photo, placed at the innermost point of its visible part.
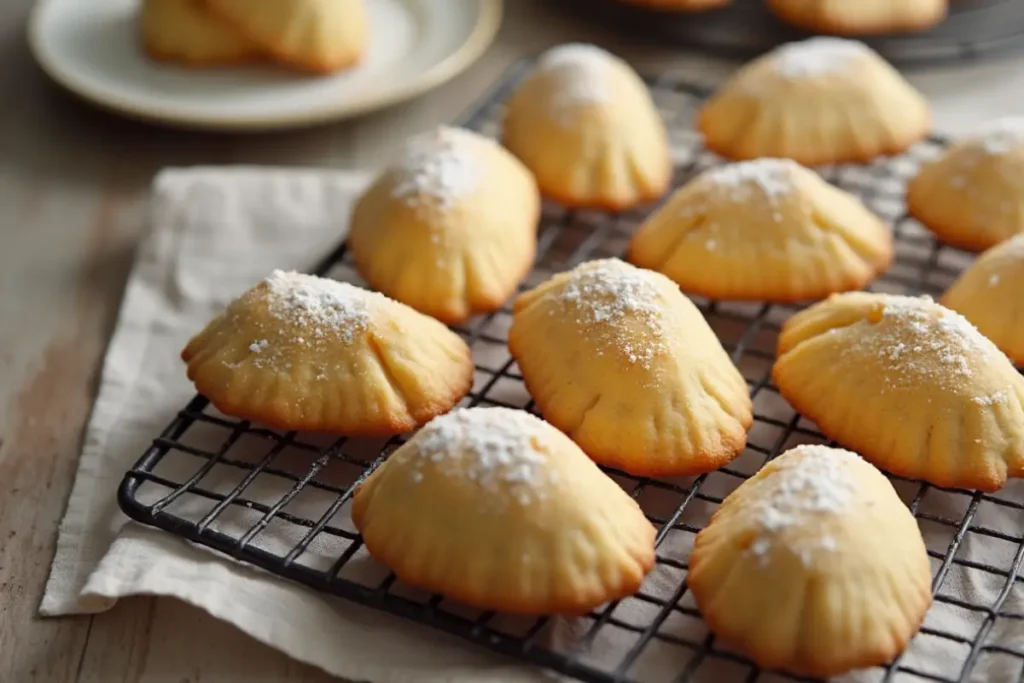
(214, 233)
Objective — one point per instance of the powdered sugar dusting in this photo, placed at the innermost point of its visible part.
(582, 72)
(439, 167)
(767, 177)
(807, 483)
(1002, 135)
(495, 448)
(817, 56)
(614, 298)
(321, 306)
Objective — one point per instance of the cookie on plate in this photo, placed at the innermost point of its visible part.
(972, 195)
(819, 101)
(766, 229)
(309, 353)
(184, 31)
(321, 36)
(864, 17)
(825, 526)
(585, 125)
(988, 295)
(907, 383)
(620, 360)
(498, 509)
(450, 228)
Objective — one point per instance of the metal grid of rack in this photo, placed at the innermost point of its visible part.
(745, 28)
(280, 501)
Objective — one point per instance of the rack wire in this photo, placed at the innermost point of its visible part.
(280, 501)
(746, 28)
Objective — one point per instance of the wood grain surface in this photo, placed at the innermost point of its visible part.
(73, 201)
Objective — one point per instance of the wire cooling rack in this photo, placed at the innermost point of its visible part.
(745, 28)
(280, 501)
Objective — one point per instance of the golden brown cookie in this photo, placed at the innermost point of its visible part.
(585, 125)
(315, 35)
(972, 196)
(907, 383)
(619, 359)
(863, 17)
(818, 101)
(498, 509)
(184, 31)
(308, 353)
(450, 228)
(988, 295)
(813, 565)
(766, 229)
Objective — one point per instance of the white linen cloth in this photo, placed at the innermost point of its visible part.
(214, 233)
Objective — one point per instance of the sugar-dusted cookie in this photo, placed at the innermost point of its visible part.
(584, 123)
(972, 196)
(498, 509)
(619, 359)
(819, 101)
(766, 229)
(450, 228)
(863, 17)
(988, 294)
(909, 384)
(314, 35)
(184, 31)
(813, 565)
(308, 353)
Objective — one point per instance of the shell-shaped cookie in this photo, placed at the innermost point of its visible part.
(619, 359)
(767, 229)
(972, 195)
(988, 295)
(818, 101)
(308, 353)
(498, 509)
(184, 31)
(584, 123)
(813, 565)
(864, 17)
(314, 35)
(450, 228)
(907, 383)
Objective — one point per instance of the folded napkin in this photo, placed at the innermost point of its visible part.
(214, 233)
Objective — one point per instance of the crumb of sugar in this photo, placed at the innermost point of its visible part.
(925, 343)
(1002, 135)
(611, 297)
(993, 280)
(767, 177)
(811, 483)
(997, 398)
(319, 307)
(439, 167)
(258, 345)
(495, 448)
(817, 56)
(582, 72)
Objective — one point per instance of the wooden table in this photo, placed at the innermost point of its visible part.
(73, 199)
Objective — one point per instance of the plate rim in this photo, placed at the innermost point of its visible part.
(480, 37)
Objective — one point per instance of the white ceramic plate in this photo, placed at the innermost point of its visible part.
(91, 47)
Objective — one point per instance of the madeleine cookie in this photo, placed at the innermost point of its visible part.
(498, 509)
(619, 359)
(813, 565)
(988, 295)
(864, 17)
(972, 196)
(909, 384)
(314, 35)
(584, 123)
(184, 31)
(449, 229)
(818, 101)
(767, 229)
(308, 353)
